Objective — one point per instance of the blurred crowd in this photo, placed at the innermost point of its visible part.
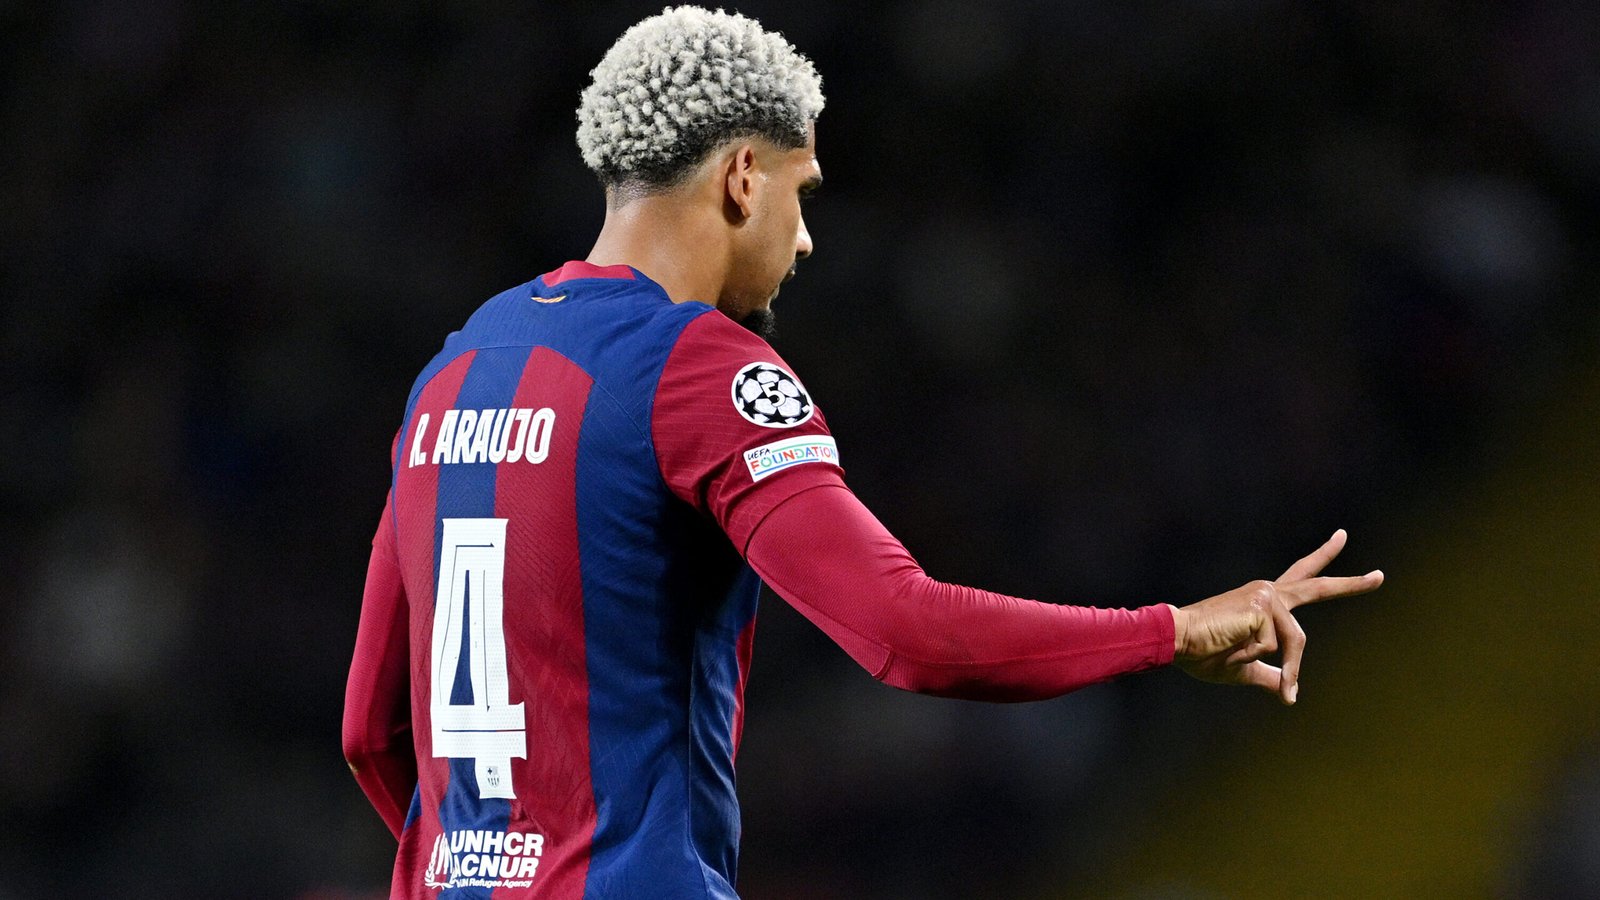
(1112, 303)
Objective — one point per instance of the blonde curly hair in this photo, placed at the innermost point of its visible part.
(679, 84)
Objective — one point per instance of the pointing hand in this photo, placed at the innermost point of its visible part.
(1224, 638)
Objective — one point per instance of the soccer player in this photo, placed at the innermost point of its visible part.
(595, 474)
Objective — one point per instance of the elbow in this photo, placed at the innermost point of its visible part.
(961, 684)
(358, 752)
(362, 744)
(964, 679)
(918, 679)
(904, 671)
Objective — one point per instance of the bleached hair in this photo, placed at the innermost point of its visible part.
(677, 85)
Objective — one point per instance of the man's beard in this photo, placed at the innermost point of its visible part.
(762, 322)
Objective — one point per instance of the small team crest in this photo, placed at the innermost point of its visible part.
(769, 396)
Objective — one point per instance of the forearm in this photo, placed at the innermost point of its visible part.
(857, 583)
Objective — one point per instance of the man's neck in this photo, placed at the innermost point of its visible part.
(668, 240)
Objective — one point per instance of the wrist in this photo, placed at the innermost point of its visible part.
(1179, 626)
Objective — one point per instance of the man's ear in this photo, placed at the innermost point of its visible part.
(740, 184)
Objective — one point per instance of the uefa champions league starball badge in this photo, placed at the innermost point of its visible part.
(769, 396)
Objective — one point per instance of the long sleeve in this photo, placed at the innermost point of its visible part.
(377, 700)
(828, 556)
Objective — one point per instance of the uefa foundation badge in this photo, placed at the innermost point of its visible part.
(796, 451)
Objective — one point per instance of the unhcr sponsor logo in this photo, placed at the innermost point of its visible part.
(477, 858)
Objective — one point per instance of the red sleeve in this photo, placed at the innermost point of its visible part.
(858, 584)
(377, 699)
(735, 431)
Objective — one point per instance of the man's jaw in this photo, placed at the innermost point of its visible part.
(787, 277)
(761, 320)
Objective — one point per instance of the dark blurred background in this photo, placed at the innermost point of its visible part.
(1112, 303)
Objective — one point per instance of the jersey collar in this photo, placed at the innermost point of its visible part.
(577, 268)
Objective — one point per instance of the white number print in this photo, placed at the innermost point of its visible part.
(492, 729)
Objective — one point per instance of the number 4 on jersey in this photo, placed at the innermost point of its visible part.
(489, 729)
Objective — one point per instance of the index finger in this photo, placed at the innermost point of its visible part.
(1312, 590)
(1316, 560)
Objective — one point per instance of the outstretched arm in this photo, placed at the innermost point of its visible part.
(826, 554)
(777, 491)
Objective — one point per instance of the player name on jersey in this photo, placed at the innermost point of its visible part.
(485, 436)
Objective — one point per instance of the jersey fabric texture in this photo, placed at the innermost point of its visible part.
(546, 695)
(627, 609)
(858, 583)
